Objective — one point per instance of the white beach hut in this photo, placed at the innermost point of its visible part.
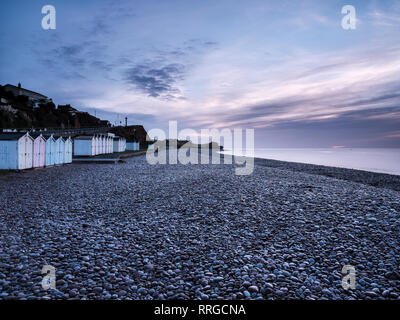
(59, 157)
(110, 144)
(103, 144)
(39, 150)
(50, 150)
(123, 144)
(67, 150)
(96, 145)
(107, 150)
(85, 146)
(100, 145)
(16, 151)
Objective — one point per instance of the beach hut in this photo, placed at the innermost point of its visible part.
(50, 150)
(117, 144)
(100, 145)
(110, 144)
(96, 146)
(16, 151)
(39, 150)
(103, 144)
(85, 146)
(60, 146)
(132, 145)
(67, 150)
(107, 144)
(123, 144)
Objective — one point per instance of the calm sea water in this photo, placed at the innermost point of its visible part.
(377, 160)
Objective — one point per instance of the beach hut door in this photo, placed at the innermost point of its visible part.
(21, 153)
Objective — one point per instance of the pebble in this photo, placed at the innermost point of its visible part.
(199, 231)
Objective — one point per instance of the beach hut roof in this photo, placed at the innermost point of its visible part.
(34, 135)
(84, 138)
(12, 136)
(47, 136)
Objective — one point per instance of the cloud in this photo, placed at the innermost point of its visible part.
(70, 54)
(385, 19)
(160, 76)
(393, 135)
(157, 82)
(107, 18)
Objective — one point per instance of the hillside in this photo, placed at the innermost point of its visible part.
(18, 112)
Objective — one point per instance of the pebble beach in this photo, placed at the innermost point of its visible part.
(133, 230)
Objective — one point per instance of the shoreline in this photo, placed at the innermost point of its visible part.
(375, 179)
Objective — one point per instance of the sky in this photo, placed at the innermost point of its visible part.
(286, 69)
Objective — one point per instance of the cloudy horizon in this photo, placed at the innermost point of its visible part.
(288, 70)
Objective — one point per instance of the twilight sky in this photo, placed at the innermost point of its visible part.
(285, 68)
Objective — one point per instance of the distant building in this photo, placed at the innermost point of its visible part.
(134, 133)
(34, 97)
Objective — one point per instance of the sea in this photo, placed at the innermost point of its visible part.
(383, 160)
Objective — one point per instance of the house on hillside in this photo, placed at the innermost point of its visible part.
(34, 97)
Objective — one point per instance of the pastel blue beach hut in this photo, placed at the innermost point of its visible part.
(117, 144)
(16, 151)
(50, 150)
(67, 150)
(132, 145)
(85, 146)
(60, 145)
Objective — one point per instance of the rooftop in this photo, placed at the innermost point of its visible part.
(30, 91)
